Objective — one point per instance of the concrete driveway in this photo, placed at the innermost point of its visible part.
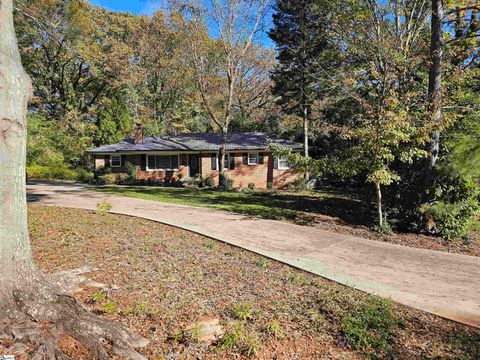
(441, 283)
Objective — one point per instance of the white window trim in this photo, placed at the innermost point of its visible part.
(282, 167)
(169, 169)
(248, 158)
(227, 156)
(111, 160)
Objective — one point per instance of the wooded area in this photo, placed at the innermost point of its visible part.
(384, 93)
(371, 87)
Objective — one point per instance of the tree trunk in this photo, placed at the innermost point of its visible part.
(38, 311)
(232, 74)
(378, 195)
(305, 136)
(435, 85)
(223, 150)
(305, 131)
(15, 92)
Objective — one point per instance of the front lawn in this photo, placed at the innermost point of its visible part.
(346, 212)
(161, 279)
(297, 207)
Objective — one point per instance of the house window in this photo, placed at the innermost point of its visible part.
(226, 163)
(115, 161)
(283, 163)
(162, 162)
(252, 158)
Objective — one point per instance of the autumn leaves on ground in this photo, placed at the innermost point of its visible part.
(161, 280)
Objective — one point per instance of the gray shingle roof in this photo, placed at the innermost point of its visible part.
(199, 142)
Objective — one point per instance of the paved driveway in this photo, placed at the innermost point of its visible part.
(440, 283)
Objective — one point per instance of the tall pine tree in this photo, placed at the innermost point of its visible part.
(300, 33)
(114, 122)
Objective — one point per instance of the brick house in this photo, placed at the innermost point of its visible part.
(185, 156)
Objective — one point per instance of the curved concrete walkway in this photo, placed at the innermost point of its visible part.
(444, 284)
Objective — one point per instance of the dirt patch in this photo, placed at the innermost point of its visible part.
(160, 279)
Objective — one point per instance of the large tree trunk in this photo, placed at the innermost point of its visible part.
(435, 85)
(15, 92)
(36, 309)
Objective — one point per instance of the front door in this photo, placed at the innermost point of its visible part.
(193, 165)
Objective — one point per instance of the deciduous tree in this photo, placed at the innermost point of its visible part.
(37, 308)
(235, 23)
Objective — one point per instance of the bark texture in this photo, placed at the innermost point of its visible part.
(36, 311)
(435, 84)
(15, 93)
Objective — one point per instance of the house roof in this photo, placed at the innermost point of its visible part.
(199, 142)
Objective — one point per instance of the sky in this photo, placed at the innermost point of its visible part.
(148, 7)
(141, 7)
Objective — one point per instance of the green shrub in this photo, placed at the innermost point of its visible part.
(103, 171)
(123, 179)
(371, 327)
(274, 329)
(210, 244)
(192, 181)
(109, 307)
(201, 182)
(103, 207)
(209, 181)
(35, 171)
(251, 186)
(455, 205)
(130, 169)
(107, 179)
(299, 185)
(84, 175)
(242, 312)
(385, 228)
(99, 296)
(270, 185)
(238, 338)
(245, 190)
(225, 183)
(262, 262)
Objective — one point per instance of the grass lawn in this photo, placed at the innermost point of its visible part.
(161, 279)
(266, 204)
(346, 212)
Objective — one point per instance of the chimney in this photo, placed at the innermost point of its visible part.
(138, 133)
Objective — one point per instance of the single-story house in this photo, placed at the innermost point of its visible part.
(184, 156)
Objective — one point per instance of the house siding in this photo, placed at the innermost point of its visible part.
(242, 175)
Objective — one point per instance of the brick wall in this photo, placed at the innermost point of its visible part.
(242, 175)
(181, 173)
(143, 174)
